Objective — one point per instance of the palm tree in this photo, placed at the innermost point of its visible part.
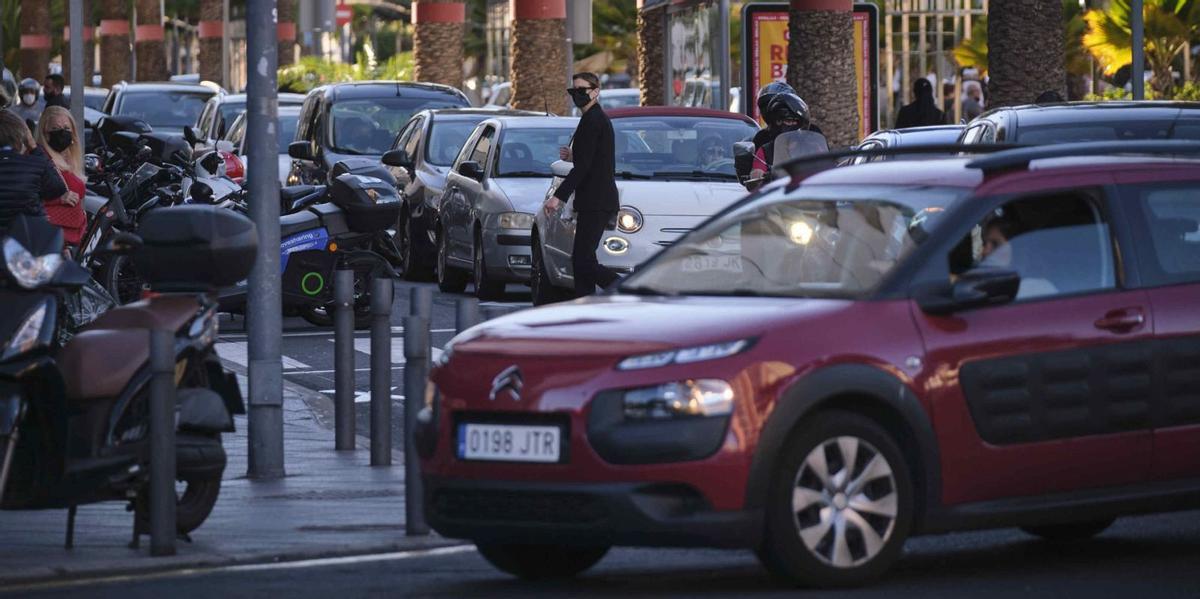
(650, 24)
(114, 46)
(1169, 25)
(438, 41)
(1026, 56)
(287, 46)
(35, 38)
(151, 52)
(821, 67)
(539, 58)
(210, 46)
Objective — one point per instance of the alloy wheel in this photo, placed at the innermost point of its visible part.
(845, 502)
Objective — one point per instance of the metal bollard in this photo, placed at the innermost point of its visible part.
(162, 443)
(466, 314)
(421, 302)
(381, 371)
(416, 371)
(343, 360)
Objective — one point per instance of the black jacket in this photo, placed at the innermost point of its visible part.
(592, 179)
(25, 182)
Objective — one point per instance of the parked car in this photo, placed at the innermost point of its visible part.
(420, 159)
(1085, 121)
(674, 170)
(912, 136)
(359, 119)
(494, 188)
(288, 116)
(842, 362)
(499, 95)
(221, 110)
(93, 97)
(166, 107)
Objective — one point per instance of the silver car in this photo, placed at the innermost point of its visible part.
(674, 170)
(495, 186)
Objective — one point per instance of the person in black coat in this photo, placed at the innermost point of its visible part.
(923, 111)
(592, 180)
(27, 178)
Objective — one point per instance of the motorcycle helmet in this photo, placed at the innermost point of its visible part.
(27, 89)
(768, 92)
(788, 107)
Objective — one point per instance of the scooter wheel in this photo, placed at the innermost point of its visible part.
(321, 316)
(199, 464)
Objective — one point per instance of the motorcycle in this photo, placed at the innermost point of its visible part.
(74, 418)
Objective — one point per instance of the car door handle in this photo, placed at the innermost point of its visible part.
(1123, 320)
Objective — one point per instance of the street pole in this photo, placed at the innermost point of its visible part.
(264, 309)
(225, 42)
(1139, 50)
(75, 23)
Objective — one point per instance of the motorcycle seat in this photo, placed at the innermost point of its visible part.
(170, 312)
(290, 224)
(97, 364)
(291, 193)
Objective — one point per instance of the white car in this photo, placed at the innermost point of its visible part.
(674, 170)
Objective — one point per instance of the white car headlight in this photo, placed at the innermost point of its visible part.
(27, 270)
(680, 399)
(516, 220)
(687, 355)
(28, 334)
(629, 220)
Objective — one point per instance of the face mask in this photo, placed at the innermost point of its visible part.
(60, 139)
(580, 97)
(29, 99)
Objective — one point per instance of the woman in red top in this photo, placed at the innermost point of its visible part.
(58, 136)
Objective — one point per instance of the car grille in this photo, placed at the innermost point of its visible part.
(518, 506)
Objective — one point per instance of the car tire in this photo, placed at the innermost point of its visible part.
(1072, 531)
(543, 291)
(414, 270)
(540, 562)
(846, 527)
(449, 278)
(486, 288)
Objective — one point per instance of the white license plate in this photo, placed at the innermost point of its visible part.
(711, 263)
(509, 443)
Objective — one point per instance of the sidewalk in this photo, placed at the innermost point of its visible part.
(330, 503)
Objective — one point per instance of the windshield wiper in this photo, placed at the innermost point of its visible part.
(631, 175)
(696, 173)
(524, 174)
(642, 290)
(739, 292)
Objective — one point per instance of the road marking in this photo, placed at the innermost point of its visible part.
(319, 562)
(331, 371)
(363, 346)
(238, 353)
(359, 396)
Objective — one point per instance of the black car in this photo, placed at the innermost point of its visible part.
(910, 136)
(420, 159)
(359, 119)
(166, 107)
(1085, 121)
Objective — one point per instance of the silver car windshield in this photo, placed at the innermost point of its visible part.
(676, 147)
(822, 242)
(529, 152)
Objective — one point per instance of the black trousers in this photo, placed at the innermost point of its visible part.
(589, 229)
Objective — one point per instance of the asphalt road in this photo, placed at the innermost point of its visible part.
(1153, 556)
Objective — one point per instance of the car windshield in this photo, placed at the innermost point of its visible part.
(529, 152)
(446, 139)
(676, 147)
(827, 241)
(230, 111)
(167, 111)
(1111, 131)
(368, 126)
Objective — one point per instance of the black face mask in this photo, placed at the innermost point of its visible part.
(60, 139)
(579, 96)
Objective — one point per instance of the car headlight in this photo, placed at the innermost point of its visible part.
(516, 220)
(680, 399)
(629, 220)
(27, 270)
(687, 355)
(28, 334)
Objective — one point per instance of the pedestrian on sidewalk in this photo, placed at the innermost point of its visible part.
(592, 180)
(28, 104)
(26, 179)
(923, 110)
(52, 90)
(59, 139)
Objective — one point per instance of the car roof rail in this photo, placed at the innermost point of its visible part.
(1019, 159)
(814, 163)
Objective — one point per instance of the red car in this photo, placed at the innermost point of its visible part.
(845, 360)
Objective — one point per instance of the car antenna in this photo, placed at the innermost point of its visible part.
(545, 98)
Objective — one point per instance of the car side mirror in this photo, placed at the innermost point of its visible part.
(190, 135)
(974, 289)
(300, 150)
(397, 158)
(471, 170)
(561, 168)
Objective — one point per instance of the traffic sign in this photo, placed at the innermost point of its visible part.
(343, 14)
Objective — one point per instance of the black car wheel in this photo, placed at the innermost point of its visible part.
(1072, 531)
(544, 292)
(841, 503)
(414, 269)
(486, 288)
(537, 562)
(449, 279)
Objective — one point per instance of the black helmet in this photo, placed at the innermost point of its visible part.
(768, 92)
(788, 106)
(29, 85)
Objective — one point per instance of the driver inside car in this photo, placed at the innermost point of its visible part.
(714, 153)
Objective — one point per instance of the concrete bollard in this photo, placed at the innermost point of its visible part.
(343, 359)
(162, 443)
(416, 371)
(381, 371)
(421, 302)
(466, 314)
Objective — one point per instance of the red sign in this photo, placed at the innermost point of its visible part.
(343, 15)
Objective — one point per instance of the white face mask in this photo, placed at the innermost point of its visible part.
(29, 99)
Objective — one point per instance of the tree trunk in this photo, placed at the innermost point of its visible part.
(821, 66)
(35, 39)
(438, 41)
(539, 59)
(287, 31)
(89, 44)
(1025, 51)
(151, 51)
(114, 42)
(650, 26)
(210, 40)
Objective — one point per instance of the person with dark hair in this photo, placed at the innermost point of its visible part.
(789, 113)
(52, 90)
(923, 110)
(1049, 97)
(592, 180)
(26, 180)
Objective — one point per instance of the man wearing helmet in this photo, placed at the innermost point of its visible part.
(784, 113)
(28, 106)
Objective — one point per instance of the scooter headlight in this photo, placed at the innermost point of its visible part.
(27, 270)
(29, 333)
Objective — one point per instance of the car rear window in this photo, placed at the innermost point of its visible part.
(1114, 131)
(1169, 235)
